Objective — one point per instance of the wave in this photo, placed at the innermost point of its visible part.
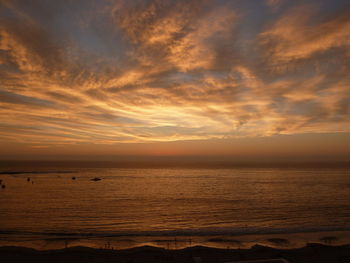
(172, 233)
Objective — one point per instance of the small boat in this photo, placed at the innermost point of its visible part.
(96, 179)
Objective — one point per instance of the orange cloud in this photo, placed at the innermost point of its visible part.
(161, 71)
(293, 36)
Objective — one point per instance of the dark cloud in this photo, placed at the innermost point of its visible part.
(166, 70)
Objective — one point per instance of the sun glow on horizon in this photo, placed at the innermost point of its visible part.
(150, 72)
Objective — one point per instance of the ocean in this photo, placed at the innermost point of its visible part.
(173, 207)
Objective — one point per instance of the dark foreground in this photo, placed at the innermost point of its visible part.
(311, 253)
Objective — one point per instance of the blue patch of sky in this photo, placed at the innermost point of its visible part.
(7, 13)
(9, 67)
(181, 77)
(326, 9)
(86, 35)
(253, 17)
(9, 97)
(303, 108)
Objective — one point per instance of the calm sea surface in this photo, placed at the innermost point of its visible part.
(170, 202)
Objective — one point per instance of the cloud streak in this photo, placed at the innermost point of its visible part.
(107, 72)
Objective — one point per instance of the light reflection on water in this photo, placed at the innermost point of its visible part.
(175, 202)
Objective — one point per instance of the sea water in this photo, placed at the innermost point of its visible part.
(173, 207)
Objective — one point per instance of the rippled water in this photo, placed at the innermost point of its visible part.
(172, 202)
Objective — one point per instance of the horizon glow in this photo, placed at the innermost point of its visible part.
(103, 73)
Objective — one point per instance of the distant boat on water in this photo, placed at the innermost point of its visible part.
(96, 179)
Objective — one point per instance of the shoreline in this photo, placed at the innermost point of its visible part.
(312, 252)
(173, 242)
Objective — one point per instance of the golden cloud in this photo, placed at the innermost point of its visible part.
(133, 71)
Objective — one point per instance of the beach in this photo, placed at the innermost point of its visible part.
(317, 253)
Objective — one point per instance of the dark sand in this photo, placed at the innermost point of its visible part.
(316, 253)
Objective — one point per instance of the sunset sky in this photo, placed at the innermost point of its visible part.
(240, 78)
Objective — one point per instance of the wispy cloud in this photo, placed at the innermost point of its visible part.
(296, 35)
(141, 71)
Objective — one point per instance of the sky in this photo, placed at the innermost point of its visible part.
(237, 78)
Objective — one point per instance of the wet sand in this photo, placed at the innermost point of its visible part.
(317, 253)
